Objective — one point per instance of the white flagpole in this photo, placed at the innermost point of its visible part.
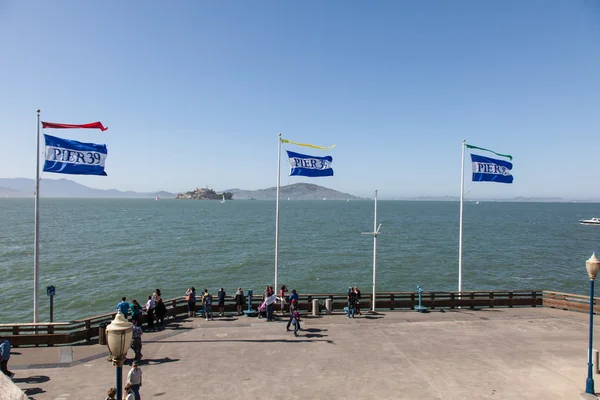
(277, 210)
(36, 235)
(375, 231)
(460, 234)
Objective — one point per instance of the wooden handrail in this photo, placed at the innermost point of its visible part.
(86, 329)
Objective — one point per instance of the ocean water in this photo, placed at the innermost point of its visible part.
(95, 251)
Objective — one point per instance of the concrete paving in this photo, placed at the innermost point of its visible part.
(500, 353)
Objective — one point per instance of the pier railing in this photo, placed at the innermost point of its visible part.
(88, 329)
(567, 301)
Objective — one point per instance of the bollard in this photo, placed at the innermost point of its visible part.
(328, 306)
(315, 307)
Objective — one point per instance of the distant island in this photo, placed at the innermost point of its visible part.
(65, 188)
(204, 194)
(296, 191)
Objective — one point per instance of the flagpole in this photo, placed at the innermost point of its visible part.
(277, 209)
(36, 235)
(374, 251)
(460, 233)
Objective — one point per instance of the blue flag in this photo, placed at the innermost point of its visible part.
(491, 170)
(313, 166)
(65, 156)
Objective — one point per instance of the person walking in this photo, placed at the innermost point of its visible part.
(221, 301)
(134, 379)
(128, 393)
(239, 300)
(136, 340)
(136, 311)
(190, 296)
(123, 307)
(150, 312)
(296, 322)
(5, 356)
(293, 308)
(112, 394)
(282, 293)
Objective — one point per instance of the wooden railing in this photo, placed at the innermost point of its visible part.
(86, 330)
(567, 301)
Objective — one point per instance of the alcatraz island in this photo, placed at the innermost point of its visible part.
(205, 194)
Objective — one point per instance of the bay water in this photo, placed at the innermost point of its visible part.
(94, 251)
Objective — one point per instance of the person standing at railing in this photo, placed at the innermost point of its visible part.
(351, 302)
(159, 309)
(282, 293)
(358, 296)
(190, 297)
(239, 300)
(150, 312)
(123, 307)
(207, 304)
(136, 311)
(293, 296)
(221, 301)
(5, 356)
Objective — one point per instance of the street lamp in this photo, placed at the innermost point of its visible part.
(118, 340)
(593, 267)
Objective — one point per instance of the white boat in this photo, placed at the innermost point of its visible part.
(223, 201)
(593, 221)
(157, 198)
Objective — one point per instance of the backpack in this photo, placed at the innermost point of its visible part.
(208, 300)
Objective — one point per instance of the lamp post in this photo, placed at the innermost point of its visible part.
(593, 267)
(118, 340)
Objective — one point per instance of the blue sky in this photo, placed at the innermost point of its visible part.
(194, 92)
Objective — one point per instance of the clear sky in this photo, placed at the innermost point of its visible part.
(195, 92)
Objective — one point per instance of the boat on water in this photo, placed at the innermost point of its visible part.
(157, 198)
(223, 201)
(593, 221)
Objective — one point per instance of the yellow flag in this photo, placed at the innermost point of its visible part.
(306, 145)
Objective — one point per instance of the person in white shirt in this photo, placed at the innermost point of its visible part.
(150, 312)
(134, 380)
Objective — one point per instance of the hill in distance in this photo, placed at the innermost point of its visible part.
(23, 187)
(296, 191)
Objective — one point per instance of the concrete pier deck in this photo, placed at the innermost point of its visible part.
(498, 353)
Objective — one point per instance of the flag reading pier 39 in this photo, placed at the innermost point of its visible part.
(491, 170)
(305, 165)
(65, 156)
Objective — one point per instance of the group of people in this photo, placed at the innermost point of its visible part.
(155, 309)
(269, 299)
(353, 302)
(131, 391)
(206, 301)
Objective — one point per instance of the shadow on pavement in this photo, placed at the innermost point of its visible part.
(32, 379)
(32, 391)
(148, 361)
(237, 341)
